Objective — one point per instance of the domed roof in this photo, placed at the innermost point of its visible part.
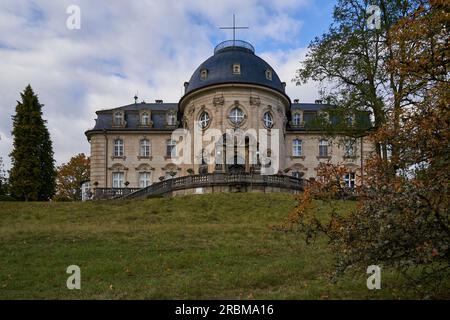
(218, 69)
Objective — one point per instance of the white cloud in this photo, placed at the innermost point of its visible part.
(123, 47)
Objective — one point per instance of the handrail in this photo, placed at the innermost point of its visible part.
(215, 179)
(234, 44)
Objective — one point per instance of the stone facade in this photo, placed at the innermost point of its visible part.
(131, 145)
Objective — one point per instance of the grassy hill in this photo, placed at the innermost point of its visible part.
(198, 247)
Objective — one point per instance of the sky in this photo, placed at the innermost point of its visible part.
(126, 47)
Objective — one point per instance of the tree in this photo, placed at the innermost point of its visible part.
(353, 56)
(403, 220)
(3, 180)
(70, 177)
(32, 176)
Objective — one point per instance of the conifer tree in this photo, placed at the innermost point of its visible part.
(32, 176)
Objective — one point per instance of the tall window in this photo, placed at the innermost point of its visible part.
(297, 147)
(145, 119)
(144, 179)
(323, 148)
(145, 148)
(349, 180)
(268, 120)
(349, 150)
(204, 120)
(171, 118)
(117, 178)
(297, 119)
(269, 74)
(118, 118)
(236, 115)
(118, 148)
(171, 148)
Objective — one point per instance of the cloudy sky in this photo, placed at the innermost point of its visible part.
(123, 47)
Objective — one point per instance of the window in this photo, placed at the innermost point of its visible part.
(144, 179)
(297, 119)
(118, 148)
(204, 120)
(171, 118)
(171, 148)
(268, 120)
(349, 180)
(236, 68)
(297, 147)
(349, 150)
(236, 116)
(203, 74)
(117, 178)
(144, 150)
(145, 119)
(204, 156)
(296, 174)
(118, 118)
(323, 148)
(350, 120)
(269, 74)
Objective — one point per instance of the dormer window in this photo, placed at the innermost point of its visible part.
(145, 119)
(118, 118)
(236, 68)
(203, 74)
(269, 74)
(171, 118)
(297, 119)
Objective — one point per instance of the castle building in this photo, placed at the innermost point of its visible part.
(234, 90)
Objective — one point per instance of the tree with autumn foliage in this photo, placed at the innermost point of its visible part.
(70, 177)
(403, 217)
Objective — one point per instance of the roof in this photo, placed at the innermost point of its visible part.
(220, 68)
(158, 114)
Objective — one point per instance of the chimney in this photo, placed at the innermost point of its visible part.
(296, 100)
(319, 101)
(158, 101)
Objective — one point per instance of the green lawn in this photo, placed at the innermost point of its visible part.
(217, 246)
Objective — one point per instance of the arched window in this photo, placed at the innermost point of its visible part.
(268, 120)
(145, 119)
(118, 148)
(145, 149)
(296, 147)
(297, 119)
(269, 74)
(118, 118)
(323, 148)
(236, 115)
(171, 150)
(204, 120)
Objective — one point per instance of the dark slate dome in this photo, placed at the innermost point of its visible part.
(219, 68)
